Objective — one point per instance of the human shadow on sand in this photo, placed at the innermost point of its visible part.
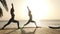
(24, 32)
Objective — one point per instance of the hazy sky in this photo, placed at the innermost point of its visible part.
(41, 9)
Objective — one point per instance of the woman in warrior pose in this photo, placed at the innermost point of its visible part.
(30, 18)
(12, 18)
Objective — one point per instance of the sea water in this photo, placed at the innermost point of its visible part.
(14, 25)
(22, 22)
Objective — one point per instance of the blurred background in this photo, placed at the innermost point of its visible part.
(45, 12)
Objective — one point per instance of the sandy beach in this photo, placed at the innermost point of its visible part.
(28, 30)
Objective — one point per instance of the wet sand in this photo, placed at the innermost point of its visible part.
(30, 31)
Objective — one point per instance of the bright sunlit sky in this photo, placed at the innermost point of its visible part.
(41, 9)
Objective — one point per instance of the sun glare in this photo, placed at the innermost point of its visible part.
(42, 9)
(39, 9)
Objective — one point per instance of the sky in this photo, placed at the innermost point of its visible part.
(41, 9)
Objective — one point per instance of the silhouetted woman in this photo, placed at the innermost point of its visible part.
(30, 18)
(12, 18)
